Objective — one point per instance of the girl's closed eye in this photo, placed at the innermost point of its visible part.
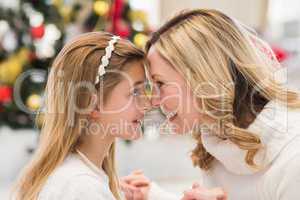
(135, 92)
(139, 95)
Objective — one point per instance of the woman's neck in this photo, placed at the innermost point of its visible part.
(96, 148)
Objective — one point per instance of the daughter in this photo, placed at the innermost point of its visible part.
(95, 94)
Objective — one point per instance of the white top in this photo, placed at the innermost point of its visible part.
(75, 180)
(279, 178)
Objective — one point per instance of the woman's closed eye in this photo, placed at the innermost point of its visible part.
(159, 84)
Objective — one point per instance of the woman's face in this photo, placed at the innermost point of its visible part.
(172, 94)
(124, 109)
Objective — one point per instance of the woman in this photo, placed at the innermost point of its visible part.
(217, 78)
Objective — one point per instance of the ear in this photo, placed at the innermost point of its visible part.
(95, 113)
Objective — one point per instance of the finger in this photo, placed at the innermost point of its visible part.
(126, 187)
(188, 197)
(225, 196)
(138, 171)
(128, 194)
(130, 178)
(123, 185)
(189, 194)
(140, 183)
(132, 175)
(196, 194)
(138, 195)
(196, 185)
(218, 192)
(124, 179)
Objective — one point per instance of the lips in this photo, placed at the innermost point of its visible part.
(171, 115)
(138, 122)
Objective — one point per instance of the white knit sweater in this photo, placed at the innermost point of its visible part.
(279, 179)
(74, 180)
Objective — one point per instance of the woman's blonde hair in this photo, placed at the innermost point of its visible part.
(76, 63)
(234, 69)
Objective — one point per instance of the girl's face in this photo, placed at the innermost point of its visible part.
(125, 107)
(172, 94)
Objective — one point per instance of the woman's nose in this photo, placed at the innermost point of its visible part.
(147, 105)
(155, 98)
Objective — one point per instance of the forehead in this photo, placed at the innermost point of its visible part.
(154, 58)
(153, 55)
(134, 72)
(158, 65)
(135, 68)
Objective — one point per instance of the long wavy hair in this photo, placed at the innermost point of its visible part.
(206, 46)
(76, 63)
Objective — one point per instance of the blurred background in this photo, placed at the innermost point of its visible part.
(33, 31)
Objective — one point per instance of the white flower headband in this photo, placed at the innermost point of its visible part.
(105, 59)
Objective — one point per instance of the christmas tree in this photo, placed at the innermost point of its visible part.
(32, 35)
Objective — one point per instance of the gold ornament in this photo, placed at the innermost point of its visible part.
(65, 12)
(23, 55)
(10, 69)
(138, 15)
(64, 9)
(101, 7)
(57, 3)
(34, 102)
(13, 66)
(140, 40)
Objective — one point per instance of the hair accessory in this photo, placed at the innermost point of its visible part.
(105, 59)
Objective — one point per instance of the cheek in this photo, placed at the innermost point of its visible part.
(129, 112)
(190, 110)
(127, 129)
(171, 98)
(119, 104)
(189, 102)
(113, 111)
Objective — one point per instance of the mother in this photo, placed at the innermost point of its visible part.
(216, 77)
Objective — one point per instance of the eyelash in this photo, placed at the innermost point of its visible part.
(159, 84)
(135, 92)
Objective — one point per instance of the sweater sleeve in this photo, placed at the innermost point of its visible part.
(289, 183)
(157, 193)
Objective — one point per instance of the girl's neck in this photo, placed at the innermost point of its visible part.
(96, 149)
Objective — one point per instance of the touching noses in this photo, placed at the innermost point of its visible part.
(155, 98)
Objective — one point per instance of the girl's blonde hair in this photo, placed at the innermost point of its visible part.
(234, 69)
(77, 63)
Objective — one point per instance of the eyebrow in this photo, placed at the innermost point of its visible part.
(156, 76)
(137, 83)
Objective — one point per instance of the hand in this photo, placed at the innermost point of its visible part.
(201, 193)
(135, 186)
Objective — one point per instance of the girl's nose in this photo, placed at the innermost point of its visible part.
(145, 100)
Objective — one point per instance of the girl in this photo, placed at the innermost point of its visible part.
(217, 78)
(95, 94)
